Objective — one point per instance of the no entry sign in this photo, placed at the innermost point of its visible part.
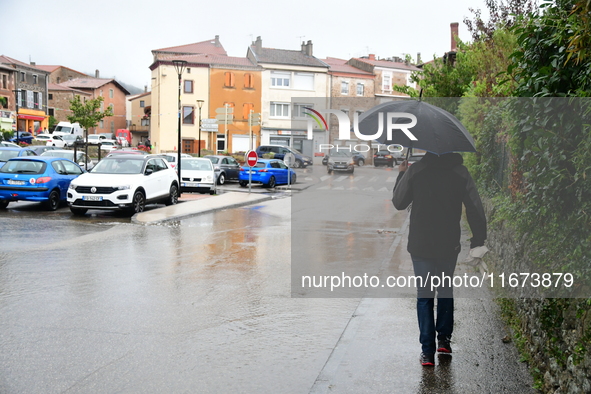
(251, 158)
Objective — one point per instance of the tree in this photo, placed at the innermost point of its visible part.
(88, 114)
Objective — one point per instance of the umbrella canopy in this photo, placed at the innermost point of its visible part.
(436, 130)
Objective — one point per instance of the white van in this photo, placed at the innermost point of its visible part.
(64, 128)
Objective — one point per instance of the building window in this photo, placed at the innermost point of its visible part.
(188, 115)
(145, 121)
(279, 79)
(246, 107)
(35, 79)
(188, 86)
(299, 110)
(30, 99)
(360, 89)
(229, 79)
(50, 96)
(303, 81)
(387, 82)
(50, 112)
(102, 124)
(112, 108)
(188, 70)
(344, 87)
(142, 103)
(279, 110)
(4, 81)
(249, 81)
(101, 92)
(23, 77)
(112, 127)
(111, 93)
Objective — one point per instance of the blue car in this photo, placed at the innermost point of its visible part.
(269, 172)
(23, 136)
(41, 179)
(7, 153)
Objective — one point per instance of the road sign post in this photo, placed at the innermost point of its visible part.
(289, 159)
(251, 160)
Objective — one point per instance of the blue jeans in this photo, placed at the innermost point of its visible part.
(426, 268)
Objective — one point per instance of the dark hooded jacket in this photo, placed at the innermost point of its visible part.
(437, 186)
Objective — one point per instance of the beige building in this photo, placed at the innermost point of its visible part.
(139, 114)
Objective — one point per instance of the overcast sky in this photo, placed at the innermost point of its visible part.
(117, 36)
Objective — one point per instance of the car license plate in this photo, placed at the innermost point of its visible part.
(11, 182)
(92, 198)
(252, 172)
(190, 184)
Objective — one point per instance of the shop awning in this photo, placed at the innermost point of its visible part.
(31, 117)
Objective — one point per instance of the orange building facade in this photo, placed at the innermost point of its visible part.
(239, 89)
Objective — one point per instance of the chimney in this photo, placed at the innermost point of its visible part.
(145, 88)
(258, 44)
(97, 74)
(454, 36)
(419, 61)
(32, 63)
(217, 41)
(372, 56)
(307, 48)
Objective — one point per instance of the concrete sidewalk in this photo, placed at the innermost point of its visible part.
(196, 204)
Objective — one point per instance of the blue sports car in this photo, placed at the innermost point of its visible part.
(37, 178)
(269, 172)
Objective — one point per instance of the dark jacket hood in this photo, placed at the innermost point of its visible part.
(447, 160)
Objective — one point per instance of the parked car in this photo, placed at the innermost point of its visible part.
(109, 145)
(39, 179)
(22, 136)
(42, 137)
(358, 157)
(95, 138)
(124, 183)
(7, 153)
(39, 149)
(269, 172)
(70, 139)
(127, 151)
(197, 174)
(226, 168)
(81, 158)
(279, 152)
(8, 144)
(56, 140)
(341, 161)
(171, 158)
(384, 158)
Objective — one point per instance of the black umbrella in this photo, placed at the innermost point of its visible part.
(436, 130)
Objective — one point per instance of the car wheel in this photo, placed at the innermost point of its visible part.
(4, 204)
(173, 195)
(222, 179)
(297, 164)
(293, 179)
(329, 170)
(243, 183)
(271, 183)
(78, 211)
(360, 162)
(138, 204)
(53, 201)
(212, 192)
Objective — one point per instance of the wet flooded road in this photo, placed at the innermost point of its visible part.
(201, 305)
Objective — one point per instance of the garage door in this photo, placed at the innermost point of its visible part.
(241, 143)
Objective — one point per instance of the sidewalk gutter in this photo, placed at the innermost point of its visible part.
(198, 207)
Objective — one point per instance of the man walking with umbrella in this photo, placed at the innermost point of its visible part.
(437, 186)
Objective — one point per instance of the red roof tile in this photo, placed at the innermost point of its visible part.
(213, 47)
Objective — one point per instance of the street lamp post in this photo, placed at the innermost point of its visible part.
(179, 67)
(199, 104)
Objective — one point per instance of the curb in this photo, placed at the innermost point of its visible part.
(198, 207)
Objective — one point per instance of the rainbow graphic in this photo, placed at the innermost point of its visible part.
(317, 117)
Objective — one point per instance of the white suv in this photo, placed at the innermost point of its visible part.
(124, 182)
